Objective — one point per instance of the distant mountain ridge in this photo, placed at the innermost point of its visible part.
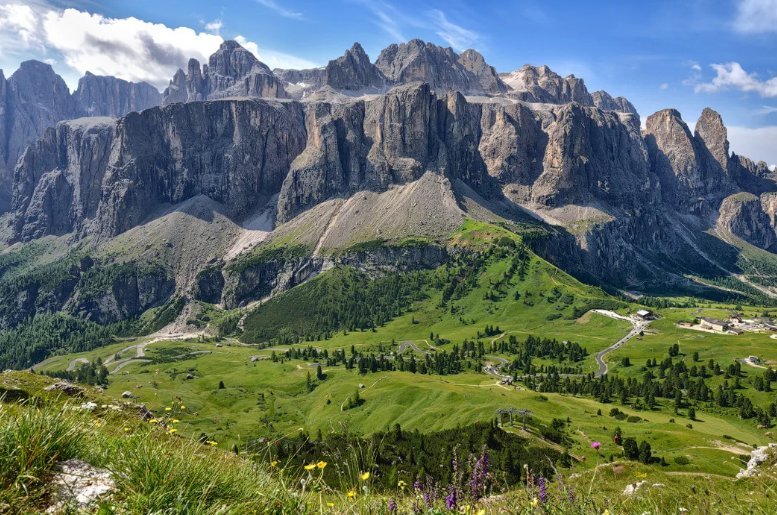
(353, 152)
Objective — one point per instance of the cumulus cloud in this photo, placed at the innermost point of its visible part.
(756, 16)
(732, 75)
(759, 144)
(456, 36)
(128, 48)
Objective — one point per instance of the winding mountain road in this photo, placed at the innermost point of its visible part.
(638, 325)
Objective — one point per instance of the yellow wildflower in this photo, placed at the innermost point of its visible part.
(174, 421)
(310, 466)
(274, 463)
(153, 421)
(321, 465)
(212, 443)
(534, 502)
(172, 430)
(330, 504)
(481, 512)
(606, 512)
(182, 406)
(365, 476)
(126, 430)
(351, 494)
(401, 484)
(168, 409)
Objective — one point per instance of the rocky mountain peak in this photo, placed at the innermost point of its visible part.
(108, 96)
(232, 60)
(541, 84)
(711, 131)
(353, 71)
(232, 71)
(441, 68)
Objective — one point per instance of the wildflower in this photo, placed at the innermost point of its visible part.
(172, 430)
(481, 511)
(595, 446)
(330, 504)
(153, 421)
(606, 512)
(174, 421)
(401, 484)
(321, 465)
(182, 406)
(416, 485)
(212, 443)
(168, 409)
(310, 466)
(364, 476)
(126, 430)
(274, 463)
(450, 499)
(534, 502)
(351, 493)
(541, 483)
(392, 505)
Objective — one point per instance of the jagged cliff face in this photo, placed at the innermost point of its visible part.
(232, 71)
(35, 98)
(630, 208)
(750, 218)
(109, 96)
(104, 178)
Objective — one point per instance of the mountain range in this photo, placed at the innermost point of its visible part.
(238, 182)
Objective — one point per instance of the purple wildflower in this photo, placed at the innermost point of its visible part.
(543, 490)
(392, 505)
(450, 499)
(417, 485)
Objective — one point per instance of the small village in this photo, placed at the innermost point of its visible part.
(736, 324)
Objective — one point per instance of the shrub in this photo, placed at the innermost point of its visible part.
(682, 460)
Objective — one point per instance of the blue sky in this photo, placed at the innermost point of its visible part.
(688, 54)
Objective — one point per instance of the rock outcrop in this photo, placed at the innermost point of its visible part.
(109, 96)
(744, 216)
(231, 72)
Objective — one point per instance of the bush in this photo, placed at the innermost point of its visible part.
(633, 419)
(682, 460)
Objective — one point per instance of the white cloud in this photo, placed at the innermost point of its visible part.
(732, 75)
(756, 16)
(127, 48)
(455, 35)
(766, 110)
(279, 9)
(759, 144)
(664, 86)
(214, 26)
